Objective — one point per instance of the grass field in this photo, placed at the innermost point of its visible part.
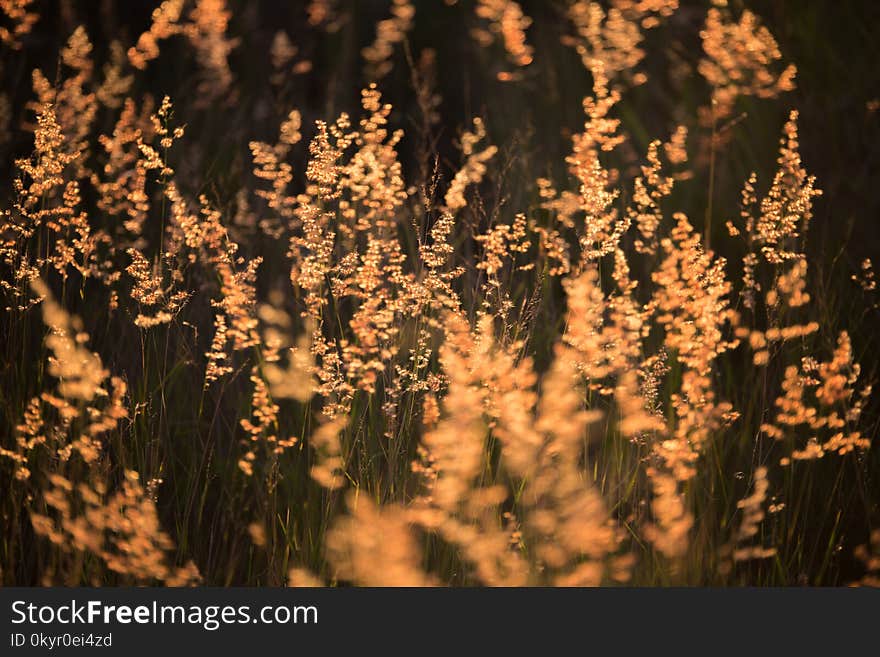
(466, 293)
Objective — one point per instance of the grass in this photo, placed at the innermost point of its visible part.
(545, 462)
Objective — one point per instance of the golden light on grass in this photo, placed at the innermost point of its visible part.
(489, 372)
